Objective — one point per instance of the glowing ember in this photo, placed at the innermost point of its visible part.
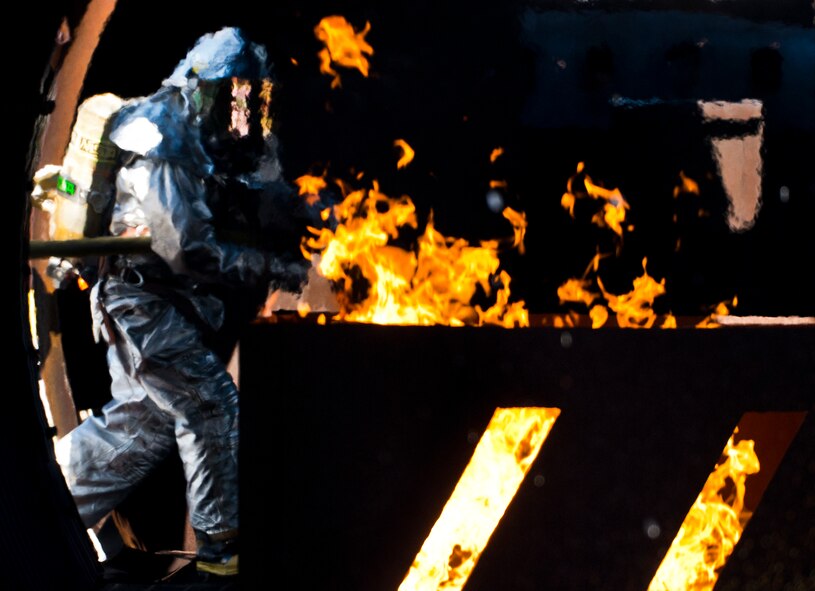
(496, 153)
(713, 525)
(433, 283)
(407, 153)
(513, 438)
(343, 46)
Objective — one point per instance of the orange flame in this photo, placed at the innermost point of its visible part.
(500, 462)
(407, 153)
(496, 153)
(713, 525)
(432, 284)
(310, 187)
(686, 185)
(343, 46)
(519, 224)
(634, 308)
(613, 213)
(721, 309)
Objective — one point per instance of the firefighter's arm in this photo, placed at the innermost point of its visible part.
(182, 233)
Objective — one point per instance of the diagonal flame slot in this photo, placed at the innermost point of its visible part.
(506, 450)
(716, 520)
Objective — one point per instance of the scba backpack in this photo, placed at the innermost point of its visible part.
(79, 193)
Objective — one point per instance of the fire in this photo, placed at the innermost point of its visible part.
(686, 185)
(407, 153)
(432, 283)
(613, 212)
(519, 224)
(634, 308)
(310, 186)
(343, 46)
(496, 153)
(721, 309)
(501, 460)
(713, 525)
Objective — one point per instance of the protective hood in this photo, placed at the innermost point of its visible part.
(223, 54)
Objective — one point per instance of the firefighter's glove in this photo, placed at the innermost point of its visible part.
(45, 185)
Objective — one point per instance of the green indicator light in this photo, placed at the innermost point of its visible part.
(65, 185)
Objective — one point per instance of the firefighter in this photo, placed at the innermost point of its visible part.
(192, 153)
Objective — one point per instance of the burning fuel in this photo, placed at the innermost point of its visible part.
(502, 458)
(343, 47)
(635, 308)
(380, 280)
(713, 525)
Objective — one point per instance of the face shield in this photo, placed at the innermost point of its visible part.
(235, 120)
(228, 81)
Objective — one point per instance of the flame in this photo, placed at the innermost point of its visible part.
(519, 224)
(612, 215)
(407, 153)
(634, 308)
(669, 322)
(431, 284)
(310, 187)
(343, 46)
(713, 525)
(686, 185)
(496, 153)
(501, 460)
(598, 315)
(721, 309)
(577, 290)
(498, 184)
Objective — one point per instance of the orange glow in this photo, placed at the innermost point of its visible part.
(407, 153)
(81, 283)
(432, 283)
(498, 184)
(501, 460)
(713, 525)
(343, 46)
(496, 153)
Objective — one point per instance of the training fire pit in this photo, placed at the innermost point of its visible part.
(354, 437)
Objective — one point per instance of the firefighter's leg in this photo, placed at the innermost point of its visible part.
(105, 456)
